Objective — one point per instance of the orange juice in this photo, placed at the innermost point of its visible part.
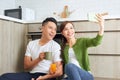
(53, 67)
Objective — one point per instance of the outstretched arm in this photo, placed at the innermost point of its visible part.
(100, 20)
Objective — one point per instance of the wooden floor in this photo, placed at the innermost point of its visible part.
(105, 79)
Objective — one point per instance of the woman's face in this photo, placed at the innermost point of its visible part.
(68, 31)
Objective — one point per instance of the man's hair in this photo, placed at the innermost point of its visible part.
(49, 19)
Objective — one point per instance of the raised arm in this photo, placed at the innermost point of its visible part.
(100, 20)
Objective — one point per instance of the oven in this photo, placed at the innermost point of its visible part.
(34, 32)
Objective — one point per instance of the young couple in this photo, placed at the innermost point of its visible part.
(72, 54)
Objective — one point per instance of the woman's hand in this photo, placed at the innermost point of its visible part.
(100, 21)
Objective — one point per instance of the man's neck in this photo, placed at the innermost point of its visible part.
(43, 41)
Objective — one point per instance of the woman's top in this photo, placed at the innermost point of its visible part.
(80, 50)
(72, 57)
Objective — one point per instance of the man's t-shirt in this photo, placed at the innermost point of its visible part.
(34, 49)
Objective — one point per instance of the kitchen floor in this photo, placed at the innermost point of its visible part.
(105, 79)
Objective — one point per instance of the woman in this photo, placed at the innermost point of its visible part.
(74, 51)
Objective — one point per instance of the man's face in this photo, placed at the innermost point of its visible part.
(49, 30)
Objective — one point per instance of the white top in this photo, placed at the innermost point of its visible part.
(34, 49)
(72, 57)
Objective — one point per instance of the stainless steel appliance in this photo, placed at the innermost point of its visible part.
(35, 33)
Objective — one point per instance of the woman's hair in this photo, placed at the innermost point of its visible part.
(62, 26)
(63, 40)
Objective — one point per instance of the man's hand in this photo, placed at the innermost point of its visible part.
(57, 73)
(29, 63)
(53, 68)
(39, 78)
(42, 56)
(32, 79)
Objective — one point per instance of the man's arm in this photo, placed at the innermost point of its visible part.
(29, 63)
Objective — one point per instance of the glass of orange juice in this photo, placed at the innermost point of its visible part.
(53, 67)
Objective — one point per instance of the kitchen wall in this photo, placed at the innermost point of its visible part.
(6, 4)
(45, 8)
(80, 8)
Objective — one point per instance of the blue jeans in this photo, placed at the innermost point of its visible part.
(75, 73)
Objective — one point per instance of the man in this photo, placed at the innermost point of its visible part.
(34, 59)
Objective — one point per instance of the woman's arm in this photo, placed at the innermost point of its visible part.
(97, 40)
(100, 20)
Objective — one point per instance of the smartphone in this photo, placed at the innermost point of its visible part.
(92, 17)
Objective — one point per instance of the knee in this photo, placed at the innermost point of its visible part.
(69, 66)
(70, 69)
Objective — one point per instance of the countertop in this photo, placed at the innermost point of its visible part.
(11, 19)
(2, 17)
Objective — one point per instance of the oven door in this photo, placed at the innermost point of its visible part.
(37, 35)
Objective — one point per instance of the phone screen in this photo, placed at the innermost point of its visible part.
(92, 17)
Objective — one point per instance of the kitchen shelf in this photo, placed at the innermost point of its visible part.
(104, 54)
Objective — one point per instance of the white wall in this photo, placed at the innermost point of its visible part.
(6, 4)
(45, 8)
